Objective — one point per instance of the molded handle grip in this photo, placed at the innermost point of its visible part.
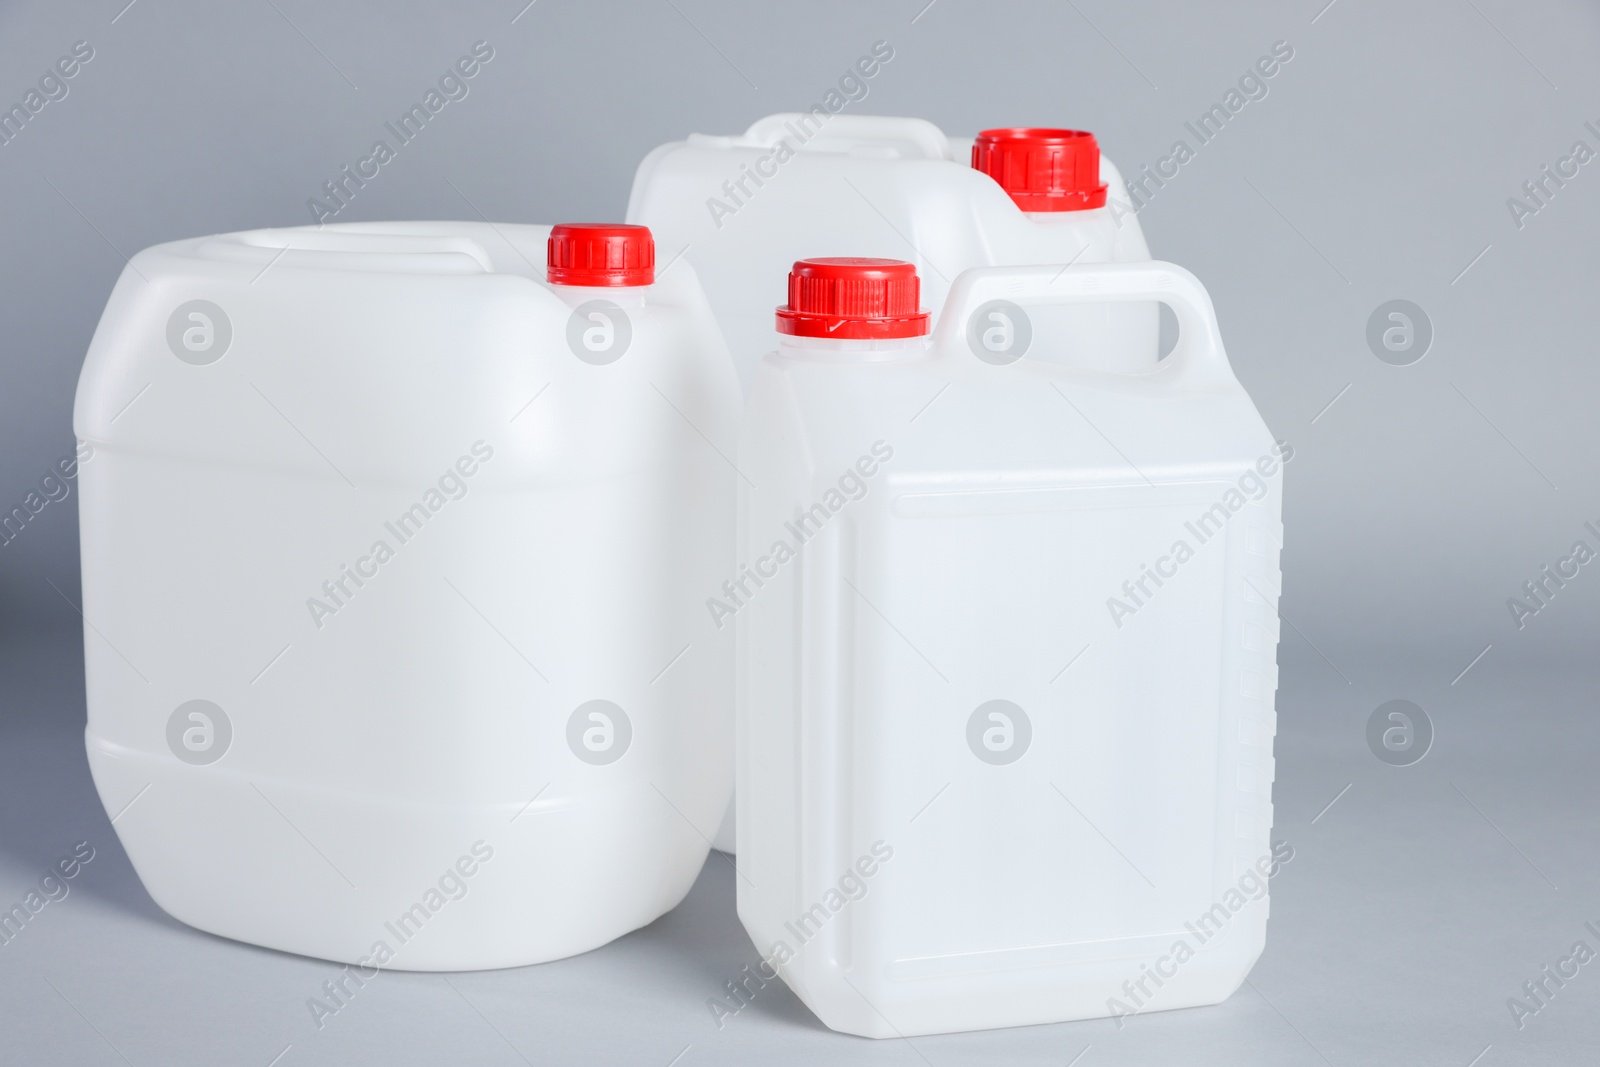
(843, 132)
(370, 244)
(1198, 359)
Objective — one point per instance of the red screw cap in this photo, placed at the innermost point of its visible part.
(854, 298)
(1043, 170)
(599, 253)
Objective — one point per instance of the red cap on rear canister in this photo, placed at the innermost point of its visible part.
(1043, 169)
(853, 298)
(601, 253)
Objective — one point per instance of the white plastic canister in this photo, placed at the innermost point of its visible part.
(1005, 702)
(394, 564)
(742, 209)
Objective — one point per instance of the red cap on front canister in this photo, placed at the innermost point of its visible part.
(601, 253)
(1041, 169)
(853, 298)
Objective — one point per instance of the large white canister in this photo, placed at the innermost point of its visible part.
(797, 185)
(743, 208)
(395, 553)
(1005, 701)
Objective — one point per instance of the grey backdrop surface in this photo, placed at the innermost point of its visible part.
(1379, 166)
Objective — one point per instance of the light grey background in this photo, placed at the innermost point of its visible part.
(1378, 167)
